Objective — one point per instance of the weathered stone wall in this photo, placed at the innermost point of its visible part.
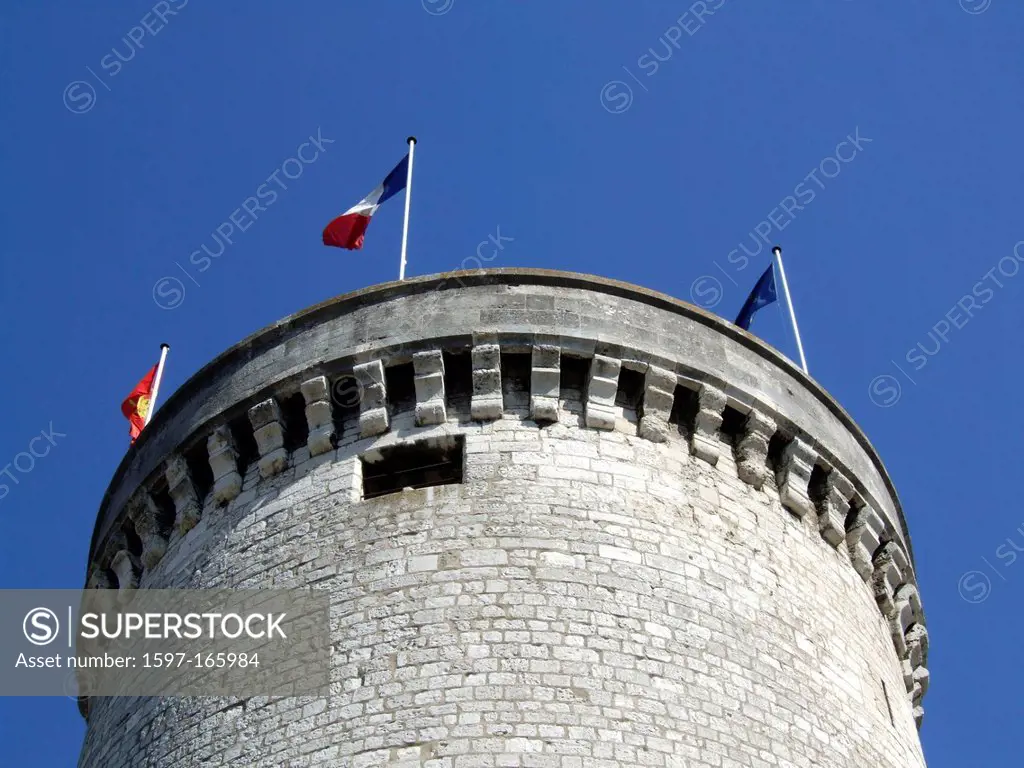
(673, 573)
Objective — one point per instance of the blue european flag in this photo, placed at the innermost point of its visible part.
(764, 293)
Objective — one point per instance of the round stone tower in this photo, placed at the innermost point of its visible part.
(565, 522)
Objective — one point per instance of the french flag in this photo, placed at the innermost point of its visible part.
(347, 230)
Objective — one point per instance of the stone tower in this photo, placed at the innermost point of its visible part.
(565, 522)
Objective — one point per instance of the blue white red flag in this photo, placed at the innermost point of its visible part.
(348, 229)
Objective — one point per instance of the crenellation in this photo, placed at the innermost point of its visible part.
(429, 383)
(602, 386)
(705, 442)
(316, 392)
(227, 482)
(188, 509)
(373, 412)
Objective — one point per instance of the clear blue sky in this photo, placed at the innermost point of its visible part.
(522, 128)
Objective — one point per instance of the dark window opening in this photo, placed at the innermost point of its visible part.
(412, 465)
(776, 446)
(164, 507)
(685, 405)
(345, 400)
(630, 394)
(733, 422)
(816, 486)
(197, 459)
(400, 381)
(293, 414)
(572, 383)
(516, 371)
(132, 540)
(851, 516)
(245, 442)
(458, 384)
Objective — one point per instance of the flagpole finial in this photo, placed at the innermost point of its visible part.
(411, 140)
(165, 345)
(777, 250)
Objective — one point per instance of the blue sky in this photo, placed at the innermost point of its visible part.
(554, 125)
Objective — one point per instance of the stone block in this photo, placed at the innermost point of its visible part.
(268, 431)
(227, 482)
(319, 415)
(487, 403)
(794, 477)
(143, 513)
(429, 383)
(602, 387)
(187, 506)
(127, 568)
(752, 449)
(545, 382)
(705, 442)
(373, 414)
(656, 406)
(833, 508)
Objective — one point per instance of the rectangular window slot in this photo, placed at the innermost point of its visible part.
(132, 540)
(816, 485)
(685, 405)
(516, 372)
(344, 403)
(400, 381)
(197, 459)
(776, 445)
(424, 463)
(165, 507)
(732, 425)
(630, 393)
(458, 384)
(245, 442)
(295, 426)
(573, 382)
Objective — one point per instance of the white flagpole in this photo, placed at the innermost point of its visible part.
(408, 199)
(789, 302)
(156, 380)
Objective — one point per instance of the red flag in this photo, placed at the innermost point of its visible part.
(136, 406)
